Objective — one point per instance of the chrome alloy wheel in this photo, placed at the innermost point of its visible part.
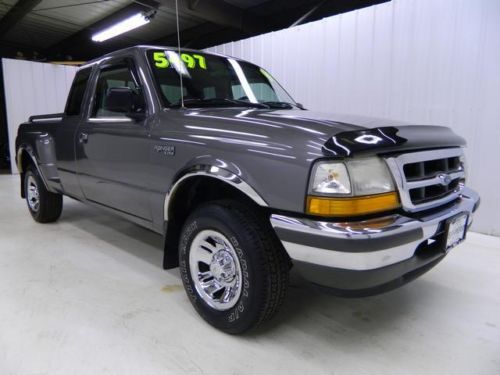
(215, 270)
(33, 194)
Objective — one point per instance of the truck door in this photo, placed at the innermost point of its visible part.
(66, 132)
(113, 146)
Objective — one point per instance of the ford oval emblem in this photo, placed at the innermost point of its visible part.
(444, 179)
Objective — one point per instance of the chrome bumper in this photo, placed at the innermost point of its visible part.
(365, 245)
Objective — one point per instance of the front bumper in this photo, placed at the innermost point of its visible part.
(371, 256)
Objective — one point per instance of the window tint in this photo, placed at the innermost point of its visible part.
(77, 92)
(263, 91)
(117, 76)
(172, 92)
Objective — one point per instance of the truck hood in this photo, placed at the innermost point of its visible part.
(313, 134)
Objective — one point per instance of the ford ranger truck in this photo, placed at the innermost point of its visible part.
(244, 183)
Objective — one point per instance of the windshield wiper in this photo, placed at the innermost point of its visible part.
(220, 101)
(281, 105)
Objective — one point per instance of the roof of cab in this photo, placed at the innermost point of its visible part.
(146, 47)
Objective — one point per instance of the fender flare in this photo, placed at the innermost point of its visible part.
(31, 154)
(217, 173)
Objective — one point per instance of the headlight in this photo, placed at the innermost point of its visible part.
(330, 178)
(370, 176)
(355, 187)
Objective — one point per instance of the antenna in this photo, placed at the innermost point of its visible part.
(179, 50)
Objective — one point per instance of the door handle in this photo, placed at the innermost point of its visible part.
(83, 137)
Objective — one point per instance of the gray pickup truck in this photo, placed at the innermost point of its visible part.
(244, 183)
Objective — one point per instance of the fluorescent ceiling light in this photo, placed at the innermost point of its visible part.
(122, 27)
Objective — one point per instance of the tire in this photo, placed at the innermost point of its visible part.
(246, 259)
(44, 206)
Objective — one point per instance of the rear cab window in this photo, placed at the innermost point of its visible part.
(77, 92)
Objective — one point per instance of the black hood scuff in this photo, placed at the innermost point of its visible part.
(389, 139)
(347, 143)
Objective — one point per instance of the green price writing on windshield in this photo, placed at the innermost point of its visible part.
(192, 61)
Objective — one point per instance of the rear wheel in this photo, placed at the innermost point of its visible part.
(234, 269)
(44, 206)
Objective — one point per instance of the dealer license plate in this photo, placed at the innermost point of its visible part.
(457, 227)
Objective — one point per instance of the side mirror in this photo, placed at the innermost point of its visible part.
(119, 99)
(300, 106)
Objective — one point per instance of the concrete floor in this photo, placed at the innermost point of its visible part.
(88, 295)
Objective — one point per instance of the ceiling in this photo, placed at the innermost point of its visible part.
(61, 29)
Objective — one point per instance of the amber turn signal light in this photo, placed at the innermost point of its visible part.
(352, 206)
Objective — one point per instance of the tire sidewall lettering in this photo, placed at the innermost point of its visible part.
(245, 294)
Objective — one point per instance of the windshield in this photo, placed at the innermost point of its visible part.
(210, 80)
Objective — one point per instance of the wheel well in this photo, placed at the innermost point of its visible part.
(188, 195)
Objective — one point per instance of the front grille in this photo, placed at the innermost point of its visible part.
(427, 179)
(432, 192)
(430, 168)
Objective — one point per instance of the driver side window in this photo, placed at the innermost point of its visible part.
(119, 77)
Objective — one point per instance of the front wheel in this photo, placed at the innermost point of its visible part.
(44, 206)
(234, 269)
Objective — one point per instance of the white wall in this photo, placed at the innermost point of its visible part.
(422, 61)
(33, 88)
